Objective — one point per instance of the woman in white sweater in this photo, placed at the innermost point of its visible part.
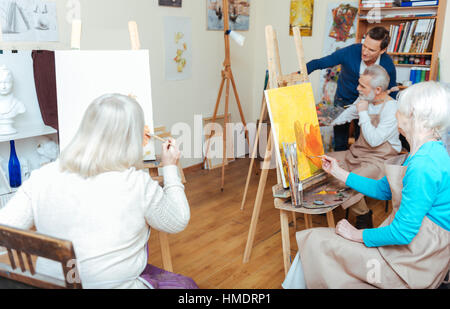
(98, 196)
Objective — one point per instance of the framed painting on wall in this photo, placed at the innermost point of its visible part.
(301, 15)
(239, 11)
(172, 3)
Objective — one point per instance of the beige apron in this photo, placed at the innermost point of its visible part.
(330, 261)
(365, 160)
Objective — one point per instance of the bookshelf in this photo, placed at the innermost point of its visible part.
(395, 16)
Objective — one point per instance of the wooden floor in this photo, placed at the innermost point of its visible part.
(211, 248)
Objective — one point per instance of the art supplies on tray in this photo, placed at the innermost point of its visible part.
(295, 184)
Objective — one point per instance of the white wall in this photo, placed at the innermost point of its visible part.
(105, 27)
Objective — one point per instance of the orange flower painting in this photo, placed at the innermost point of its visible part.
(293, 115)
(309, 142)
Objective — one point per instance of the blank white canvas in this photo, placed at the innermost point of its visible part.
(82, 76)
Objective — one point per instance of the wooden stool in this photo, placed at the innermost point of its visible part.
(285, 208)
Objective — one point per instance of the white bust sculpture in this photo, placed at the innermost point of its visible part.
(10, 107)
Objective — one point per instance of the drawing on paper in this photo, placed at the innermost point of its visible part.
(28, 20)
(177, 32)
(239, 12)
(179, 59)
(301, 15)
(300, 125)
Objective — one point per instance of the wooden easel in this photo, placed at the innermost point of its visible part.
(227, 76)
(264, 115)
(276, 80)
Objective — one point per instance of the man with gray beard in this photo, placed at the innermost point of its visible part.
(379, 138)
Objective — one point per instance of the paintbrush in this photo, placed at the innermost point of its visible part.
(158, 138)
(314, 157)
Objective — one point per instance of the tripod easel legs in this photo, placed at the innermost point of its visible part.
(254, 153)
(258, 201)
(227, 76)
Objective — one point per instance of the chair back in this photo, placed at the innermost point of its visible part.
(22, 245)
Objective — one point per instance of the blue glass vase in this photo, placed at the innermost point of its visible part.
(15, 176)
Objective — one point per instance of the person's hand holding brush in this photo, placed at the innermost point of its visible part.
(170, 152)
(331, 166)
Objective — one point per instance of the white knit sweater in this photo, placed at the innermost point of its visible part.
(107, 218)
(387, 129)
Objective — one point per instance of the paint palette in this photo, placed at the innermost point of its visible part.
(325, 196)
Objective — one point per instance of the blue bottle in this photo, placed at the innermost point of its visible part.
(412, 75)
(15, 176)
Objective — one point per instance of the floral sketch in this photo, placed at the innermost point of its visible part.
(177, 32)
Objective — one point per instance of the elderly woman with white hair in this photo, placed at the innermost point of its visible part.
(411, 248)
(98, 196)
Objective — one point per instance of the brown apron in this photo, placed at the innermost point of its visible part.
(331, 261)
(365, 160)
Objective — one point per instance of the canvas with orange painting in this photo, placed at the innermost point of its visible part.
(293, 116)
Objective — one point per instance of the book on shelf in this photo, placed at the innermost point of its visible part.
(411, 36)
(423, 12)
(416, 3)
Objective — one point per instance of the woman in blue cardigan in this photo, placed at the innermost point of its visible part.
(411, 248)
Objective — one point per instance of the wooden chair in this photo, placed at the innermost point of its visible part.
(21, 272)
(27, 243)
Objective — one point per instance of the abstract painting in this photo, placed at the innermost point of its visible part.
(172, 3)
(301, 15)
(343, 17)
(28, 20)
(239, 12)
(177, 32)
(300, 125)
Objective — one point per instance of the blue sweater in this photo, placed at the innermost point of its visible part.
(350, 60)
(426, 192)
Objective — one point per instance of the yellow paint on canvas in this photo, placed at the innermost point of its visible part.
(301, 15)
(293, 109)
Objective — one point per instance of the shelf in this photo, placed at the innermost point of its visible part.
(410, 54)
(403, 8)
(407, 65)
(27, 132)
(399, 18)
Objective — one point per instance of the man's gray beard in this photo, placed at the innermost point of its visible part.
(369, 98)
